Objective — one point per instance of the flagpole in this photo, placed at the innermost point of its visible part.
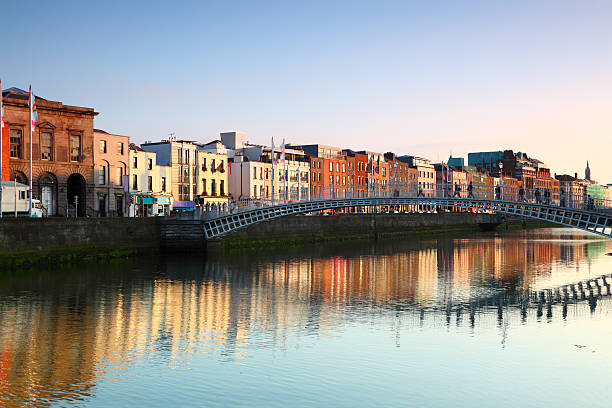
(273, 157)
(1, 133)
(31, 130)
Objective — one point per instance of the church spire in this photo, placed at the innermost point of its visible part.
(587, 172)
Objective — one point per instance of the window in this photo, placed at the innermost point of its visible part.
(163, 183)
(150, 183)
(135, 182)
(119, 176)
(222, 187)
(338, 180)
(203, 186)
(16, 143)
(120, 147)
(337, 166)
(261, 173)
(343, 180)
(254, 173)
(204, 164)
(331, 166)
(46, 146)
(75, 148)
(319, 177)
(331, 180)
(102, 146)
(213, 168)
(343, 167)
(135, 162)
(102, 176)
(254, 191)
(150, 164)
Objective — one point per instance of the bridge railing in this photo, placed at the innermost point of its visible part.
(559, 198)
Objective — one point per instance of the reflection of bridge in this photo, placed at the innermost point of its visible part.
(579, 212)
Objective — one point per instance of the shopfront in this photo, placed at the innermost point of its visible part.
(179, 207)
(163, 206)
(144, 206)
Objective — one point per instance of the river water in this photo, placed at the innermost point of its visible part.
(440, 322)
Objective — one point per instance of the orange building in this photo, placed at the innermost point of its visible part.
(62, 156)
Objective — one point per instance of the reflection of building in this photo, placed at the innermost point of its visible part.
(54, 347)
(111, 157)
(62, 156)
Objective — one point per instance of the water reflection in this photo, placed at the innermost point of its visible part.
(64, 332)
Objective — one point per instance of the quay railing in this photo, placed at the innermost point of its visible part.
(577, 200)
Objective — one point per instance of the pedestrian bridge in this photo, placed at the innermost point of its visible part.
(573, 210)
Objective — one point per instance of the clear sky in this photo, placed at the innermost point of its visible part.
(424, 78)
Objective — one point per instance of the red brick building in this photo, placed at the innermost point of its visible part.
(62, 155)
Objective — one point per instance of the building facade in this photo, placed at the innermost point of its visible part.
(111, 157)
(62, 153)
(150, 184)
(181, 156)
(212, 180)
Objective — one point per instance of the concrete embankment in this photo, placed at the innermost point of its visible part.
(30, 241)
(308, 229)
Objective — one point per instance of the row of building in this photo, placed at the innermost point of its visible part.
(80, 170)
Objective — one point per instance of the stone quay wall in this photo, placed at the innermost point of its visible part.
(26, 240)
(301, 228)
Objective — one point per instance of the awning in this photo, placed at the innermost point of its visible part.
(163, 200)
(183, 204)
(145, 200)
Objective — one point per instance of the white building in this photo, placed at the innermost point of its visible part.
(149, 184)
(251, 170)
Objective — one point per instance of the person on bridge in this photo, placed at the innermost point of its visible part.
(420, 194)
(562, 198)
(447, 190)
(457, 192)
(521, 194)
(537, 196)
(497, 192)
(470, 190)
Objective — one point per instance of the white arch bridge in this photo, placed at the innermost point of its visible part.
(576, 211)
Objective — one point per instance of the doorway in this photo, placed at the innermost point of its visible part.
(76, 194)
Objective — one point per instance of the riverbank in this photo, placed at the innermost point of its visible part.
(27, 241)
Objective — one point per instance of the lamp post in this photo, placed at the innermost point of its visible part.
(501, 178)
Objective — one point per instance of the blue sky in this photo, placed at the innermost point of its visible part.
(424, 78)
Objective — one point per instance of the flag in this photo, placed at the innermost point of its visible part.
(282, 158)
(273, 153)
(1, 111)
(229, 164)
(33, 110)
(369, 166)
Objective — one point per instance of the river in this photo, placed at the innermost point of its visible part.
(437, 322)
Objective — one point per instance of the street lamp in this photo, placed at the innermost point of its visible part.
(501, 176)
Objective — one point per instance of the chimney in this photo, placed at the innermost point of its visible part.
(576, 176)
